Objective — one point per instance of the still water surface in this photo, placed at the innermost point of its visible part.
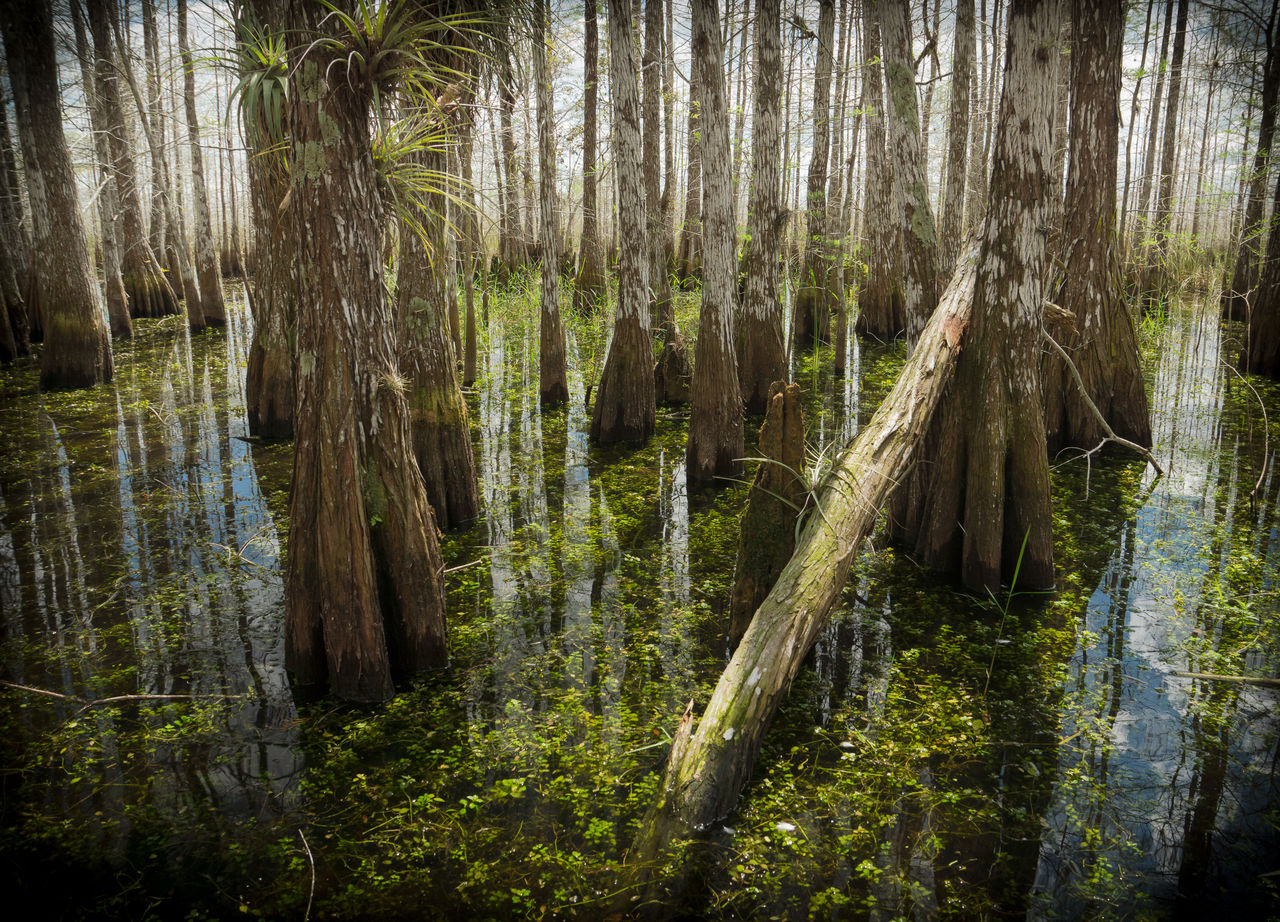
(1041, 757)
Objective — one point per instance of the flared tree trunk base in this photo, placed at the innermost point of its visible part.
(624, 409)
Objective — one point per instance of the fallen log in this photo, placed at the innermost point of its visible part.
(708, 766)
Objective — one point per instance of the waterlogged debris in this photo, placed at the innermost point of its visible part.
(785, 827)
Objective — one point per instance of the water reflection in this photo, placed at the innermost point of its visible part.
(1165, 792)
(138, 558)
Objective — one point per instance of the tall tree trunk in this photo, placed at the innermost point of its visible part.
(919, 233)
(15, 275)
(108, 202)
(880, 313)
(811, 322)
(689, 251)
(77, 344)
(438, 423)
(982, 505)
(470, 223)
(1157, 268)
(514, 254)
(1101, 341)
(553, 386)
(150, 294)
(980, 129)
(364, 588)
(1235, 297)
(269, 378)
(625, 408)
(669, 140)
(663, 309)
(208, 268)
(1153, 123)
(762, 351)
(1133, 119)
(1261, 353)
(957, 142)
(590, 287)
(155, 111)
(715, 447)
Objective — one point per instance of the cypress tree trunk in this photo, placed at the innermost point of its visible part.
(269, 379)
(514, 254)
(957, 142)
(919, 234)
(1133, 119)
(981, 506)
(880, 313)
(1153, 124)
(364, 588)
(552, 383)
(762, 354)
(1157, 270)
(15, 273)
(1261, 353)
(811, 321)
(208, 269)
(715, 446)
(689, 251)
(150, 294)
(155, 111)
(438, 420)
(108, 204)
(590, 287)
(1236, 296)
(77, 345)
(624, 409)
(1102, 342)
(663, 311)
(470, 223)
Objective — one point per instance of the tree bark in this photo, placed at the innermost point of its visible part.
(514, 254)
(911, 191)
(108, 203)
(811, 321)
(364, 586)
(1157, 270)
(77, 344)
(150, 294)
(15, 275)
(553, 386)
(880, 312)
(762, 352)
(662, 308)
(715, 445)
(1102, 341)
(625, 409)
(957, 142)
(590, 286)
(269, 378)
(208, 268)
(1153, 123)
(709, 766)
(1262, 351)
(981, 506)
(1236, 296)
(689, 250)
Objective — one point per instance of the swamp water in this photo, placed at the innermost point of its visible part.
(942, 756)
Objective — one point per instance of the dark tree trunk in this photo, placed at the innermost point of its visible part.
(957, 142)
(982, 505)
(208, 268)
(624, 409)
(1102, 341)
(911, 192)
(364, 588)
(77, 345)
(553, 386)
(715, 446)
(768, 534)
(108, 202)
(689, 250)
(663, 310)
(1157, 270)
(15, 272)
(269, 379)
(811, 321)
(438, 419)
(762, 354)
(1262, 352)
(880, 311)
(590, 286)
(1153, 124)
(150, 294)
(1236, 296)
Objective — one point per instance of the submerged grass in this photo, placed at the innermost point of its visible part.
(943, 756)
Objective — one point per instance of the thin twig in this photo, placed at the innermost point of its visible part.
(86, 703)
(1093, 408)
(1266, 432)
(311, 858)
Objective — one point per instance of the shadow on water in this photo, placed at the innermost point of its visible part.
(942, 757)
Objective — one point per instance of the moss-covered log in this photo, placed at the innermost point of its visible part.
(709, 765)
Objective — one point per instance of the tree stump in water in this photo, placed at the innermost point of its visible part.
(672, 374)
(768, 533)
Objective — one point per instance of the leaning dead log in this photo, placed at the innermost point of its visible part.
(708, 766)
